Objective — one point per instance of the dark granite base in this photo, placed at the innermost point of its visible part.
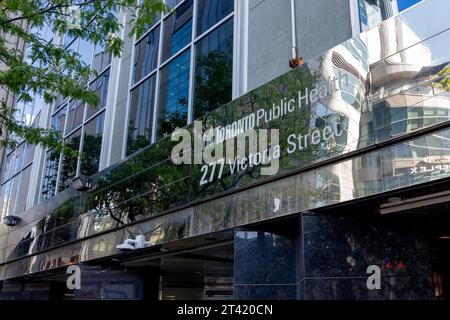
(329, 256)
(265, 292)
(392, 288)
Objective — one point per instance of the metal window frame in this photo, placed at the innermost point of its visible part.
(237, 63)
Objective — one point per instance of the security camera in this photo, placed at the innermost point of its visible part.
(133, 244)
(82, 183)
(125, 247)
(11, 221)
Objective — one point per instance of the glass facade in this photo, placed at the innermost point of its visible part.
(160, 89)
(211, 12)
(69, 164)
(174, 95)
(372, 12)
(213, 70)
(92, 144)
(81, 125)
(405, 4)
(177, 29)
(361, 104)
(366, 118)
(146, 55)
(140, 126)
(16, 169)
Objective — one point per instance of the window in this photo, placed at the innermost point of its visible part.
(75, 116)
(50, 174)
(5, 193)
(174, 91)
(13, 194)
(29, 155)
(18, 161)
(146, 55)
(101, 59)
(59, 120)
(200, 60)
(141, 115)
(100, 86)
(172, 3)
(85, 49)
(69, 163)
(68, 39)
(9, 162)
(81, 125)
(29, 112)
(178, 29)
(212, 11)
(369, 14)
(213, 70)
(18, 113)
(23, 191)
(405, 4)
(92, 144)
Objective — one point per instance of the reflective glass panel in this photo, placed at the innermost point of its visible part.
(146, 55)
(101, 59)
(212, 11)
(69, 163)
(141, 115)
(172, 3)
(174, 94)
(177, 30)
(29, 154)
(75, 115)
(369, 14)
(19, 156)
(100, 86)
(23, 191)
(85, 49)
(8, 166)
(92, 144)
(14, 193)
(213, 69)
(59, 120)
(5, 190)
(50, 174)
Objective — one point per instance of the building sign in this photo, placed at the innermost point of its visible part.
(282, 122)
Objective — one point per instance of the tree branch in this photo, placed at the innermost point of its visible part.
(46, 10)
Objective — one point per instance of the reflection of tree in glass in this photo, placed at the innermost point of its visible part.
(51, 170)
(137, 141)
(69, 164)
(145, 185)
(172, 120)
(444, 83)
(148, 183)
(60, 225)
(90, 156)
(213, 81)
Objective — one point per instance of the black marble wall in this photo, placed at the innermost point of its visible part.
(338, 251)
(329, 257)
(265, 266)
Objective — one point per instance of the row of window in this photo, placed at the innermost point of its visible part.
(80, 124)
(162, 72)
(18, 162)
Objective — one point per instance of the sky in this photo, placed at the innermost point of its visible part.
(405, 4)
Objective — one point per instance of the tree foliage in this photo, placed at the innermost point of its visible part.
(50, 70)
